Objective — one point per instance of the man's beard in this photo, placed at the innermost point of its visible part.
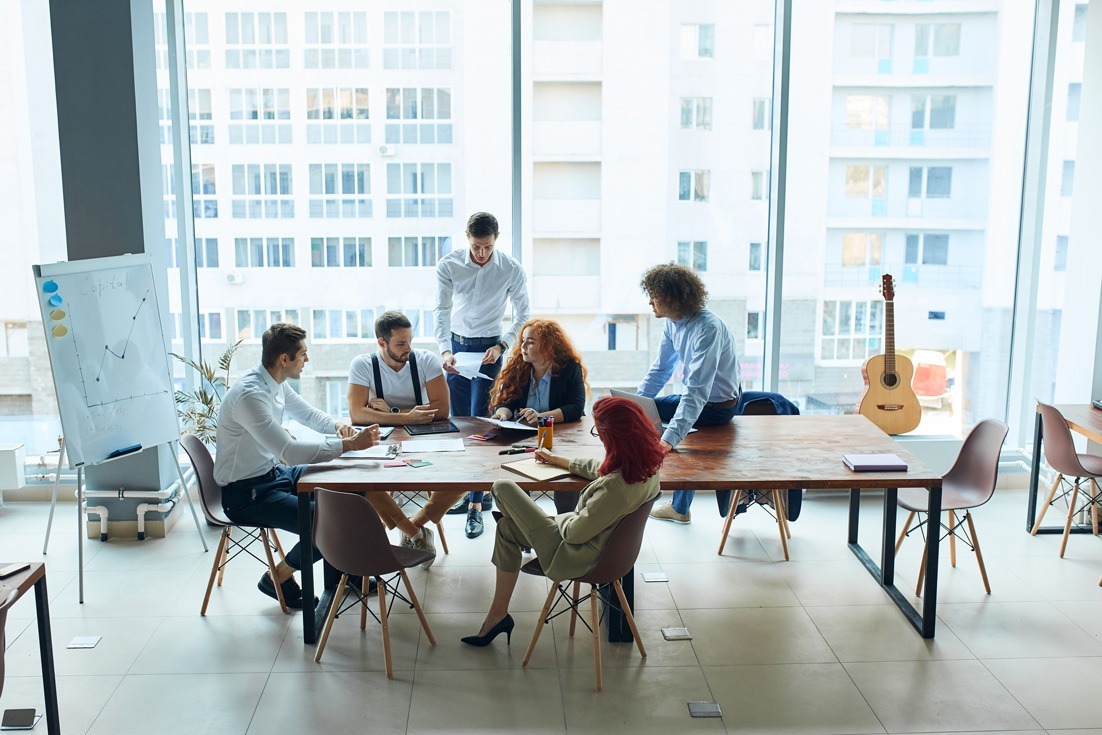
(398, 358)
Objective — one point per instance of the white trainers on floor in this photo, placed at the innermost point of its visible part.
(665, 512)
(424, 542)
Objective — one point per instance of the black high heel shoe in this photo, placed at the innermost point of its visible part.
(505, 626)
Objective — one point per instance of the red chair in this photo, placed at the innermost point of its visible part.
(1061, 456)
(210, 495)
(968, 484)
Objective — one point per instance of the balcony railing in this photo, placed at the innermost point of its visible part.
(904, 136)
(925, 276)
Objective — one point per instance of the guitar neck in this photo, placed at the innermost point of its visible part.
(889, 337)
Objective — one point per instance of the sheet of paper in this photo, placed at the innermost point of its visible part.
(468, 365)
(84, 641)
(509, 424)
(423, 446)
(379, 451)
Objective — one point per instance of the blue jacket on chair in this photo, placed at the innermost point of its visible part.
(764, 403)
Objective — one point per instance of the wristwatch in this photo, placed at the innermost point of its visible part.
(504, 347)
(395, 409)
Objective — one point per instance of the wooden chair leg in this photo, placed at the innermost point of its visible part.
(540, 623)
(385, 625)
(1094, 505)
(952, 540)
(631, 618)
(272, 569)
(780, 521)
(330, 618)
(574, 607)
(365, 585)
(279, 546)
(595, 615)
(225, 559)
(443, 538)
(727, 521)
(1071, 512)
(222, 540)
(1047, 503)
(922, 566)
(903, 533)
(784, 512)
(417, 607)
(979, 554)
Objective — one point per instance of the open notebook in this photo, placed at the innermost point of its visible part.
(534, 470)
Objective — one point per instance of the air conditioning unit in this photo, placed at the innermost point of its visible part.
(235, 278)
(388, 150)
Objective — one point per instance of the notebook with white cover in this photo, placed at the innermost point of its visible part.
(874, 463)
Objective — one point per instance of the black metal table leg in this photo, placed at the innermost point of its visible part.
(1034, 475)
(46, 649)
(929, 595)
(616, 622)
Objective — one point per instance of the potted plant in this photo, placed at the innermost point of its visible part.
(198, 409)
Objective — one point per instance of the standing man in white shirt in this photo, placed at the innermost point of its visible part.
(399, 386)
(257, 487)
(476, 284)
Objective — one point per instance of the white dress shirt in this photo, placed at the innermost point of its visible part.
(479, 294)
(704, 345)
(251, 437)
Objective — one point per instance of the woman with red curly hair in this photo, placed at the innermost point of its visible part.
(568, 545)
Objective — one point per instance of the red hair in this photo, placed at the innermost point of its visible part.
(630, 439)
(516, 372)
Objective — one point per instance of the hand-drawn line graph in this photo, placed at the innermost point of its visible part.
(122, 355)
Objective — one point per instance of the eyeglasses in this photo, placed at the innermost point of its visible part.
(593, 430)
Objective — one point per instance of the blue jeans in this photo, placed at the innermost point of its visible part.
(710, 416)
(269, 500)
(472, 397)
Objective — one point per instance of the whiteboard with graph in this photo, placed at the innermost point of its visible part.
(108, 356)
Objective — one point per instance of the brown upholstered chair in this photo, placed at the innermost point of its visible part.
(210, 495)
(617, 559)
(350, 536)
(1061, 456)
(968, 484)
(5, 603)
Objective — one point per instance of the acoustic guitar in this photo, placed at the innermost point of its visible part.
(888, 400)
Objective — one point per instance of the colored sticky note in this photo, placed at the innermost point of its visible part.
(394, 463)
(49, 286)
(54, 300)
(418, 463)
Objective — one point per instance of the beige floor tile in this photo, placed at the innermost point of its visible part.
(333, 702)
(651, 595)
(124, 594)
(833, 582)
(80, 698)
(122, 641)
(1087, 615)
(811, 699)
(964, 583)
(1074, 577)
(1026, 629)
(880, 633)
(1059, 693)
(528, 701)
(578, 652)
(451, 654)
(470, 590)
(758, 584)
(352, 649)
(938, 696)
(773, 635)
(226, 645)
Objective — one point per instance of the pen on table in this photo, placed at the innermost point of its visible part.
(520, 450)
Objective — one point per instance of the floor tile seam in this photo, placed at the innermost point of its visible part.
(993, 675)
(864, 698)
(106, 701)
(137, 656)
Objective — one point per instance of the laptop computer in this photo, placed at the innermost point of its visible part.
(650, 408)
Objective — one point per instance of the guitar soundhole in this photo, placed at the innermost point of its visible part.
(890, 380)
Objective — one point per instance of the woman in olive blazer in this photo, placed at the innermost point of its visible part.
(569, 544)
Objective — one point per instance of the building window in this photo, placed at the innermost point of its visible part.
(753, 324)
(420, 319)
(1067, 179)
(420, 115)
(1079, 24)
(204, 200)
(933, 182)
(251, 323)
(417, 40)
(757, 185)
(255, 115)
(170, 252)
(336, 396)
(869, 112)
(851, 330)
(201, 117)
(340, 190)
(168, 186)
(755, 263)
(264, 252)
(927, 249)
(210, 326)
(693, 186)
(1075, 92)
(337, 115)
(763, 42)
(340, 252)
(206, 252)
(257, 41)
(698, 41)
(336, 41)
(197, 33)
(862, 248)
(696, 112)
(873, 41)
(868, 182)
(932, 112)
(1060, 261)
(343, 323)
(414, 252)
(164, 115)
(419, 190)
(262, 191)
(940, 39)
(693, 253)
(760, 115)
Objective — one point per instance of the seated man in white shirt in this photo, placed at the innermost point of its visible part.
(257, 487)
(398, 386)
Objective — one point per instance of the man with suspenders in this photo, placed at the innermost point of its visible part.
(398, 386)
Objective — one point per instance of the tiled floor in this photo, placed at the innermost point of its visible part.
(807, 646)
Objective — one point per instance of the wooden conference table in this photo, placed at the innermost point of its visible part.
(23, 581)
(751, 452)
(1082, 418)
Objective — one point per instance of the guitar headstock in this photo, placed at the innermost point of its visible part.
(887, 287)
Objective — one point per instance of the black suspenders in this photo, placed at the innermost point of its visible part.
(412, 372)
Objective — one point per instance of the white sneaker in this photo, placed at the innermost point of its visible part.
(424, 542)
(665, 512)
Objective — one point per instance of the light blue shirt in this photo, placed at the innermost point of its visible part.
(539, 393)
(704, 345)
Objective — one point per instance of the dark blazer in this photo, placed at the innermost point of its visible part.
(567, 393)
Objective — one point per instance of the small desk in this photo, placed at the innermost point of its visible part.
(1082, 418)
(36, 577)
(751, 452)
